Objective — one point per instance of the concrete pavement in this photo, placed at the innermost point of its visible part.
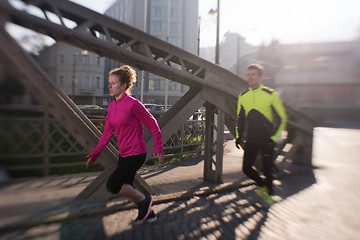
(319, 203)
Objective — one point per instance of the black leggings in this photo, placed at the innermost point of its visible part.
(125, 172)
(250, 153)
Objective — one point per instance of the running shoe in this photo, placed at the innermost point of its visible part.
(269, 199)
(262, 191)
(145, 207)
(151, 218)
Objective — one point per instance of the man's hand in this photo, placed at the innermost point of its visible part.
(238, 143)
(270, 143)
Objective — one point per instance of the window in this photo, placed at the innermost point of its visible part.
(173, 86)
(61, 81)
(175, 41)
(176, 12)
(176, 27)
(98, 62)
(97, 83)
(61, 59)
(86, 83)
(158, 11)
(86, 59)
(154, 84)
(73, 59)
(117, 15)
(156, 26)
(73, 80)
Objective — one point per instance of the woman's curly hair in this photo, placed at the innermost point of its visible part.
(126, 74)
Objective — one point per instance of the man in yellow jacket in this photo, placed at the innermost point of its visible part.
(261, 112)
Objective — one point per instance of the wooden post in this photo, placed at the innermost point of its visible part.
(219, 146)
(209, 121)
(182, 141)
(213, 168)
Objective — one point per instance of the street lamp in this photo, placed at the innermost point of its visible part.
(74, 76)
(142, 71)
(84, 52)
(166, 85)
(198, 40)
(212, 12)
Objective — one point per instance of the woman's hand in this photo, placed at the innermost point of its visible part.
(160, 157)
(89, 161)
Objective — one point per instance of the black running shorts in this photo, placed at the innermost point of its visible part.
(125, 172)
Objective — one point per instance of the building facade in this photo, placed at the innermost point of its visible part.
(235, 53)
(79, 73)
(173, 21)
(321, 80)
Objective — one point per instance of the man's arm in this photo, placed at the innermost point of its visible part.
(280, 110)
(240, 123)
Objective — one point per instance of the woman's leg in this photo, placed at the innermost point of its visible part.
(121, 180)
(129, 192)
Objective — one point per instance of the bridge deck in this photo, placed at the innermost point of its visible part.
(319, 203)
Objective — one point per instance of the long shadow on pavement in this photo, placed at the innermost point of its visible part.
(239, 214)
(236, 214)
(151, 171)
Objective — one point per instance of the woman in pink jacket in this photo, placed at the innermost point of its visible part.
(125, 117)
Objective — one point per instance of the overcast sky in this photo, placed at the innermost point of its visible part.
(295, 21)
(260, 21)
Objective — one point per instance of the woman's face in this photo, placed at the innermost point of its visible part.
(116, 89)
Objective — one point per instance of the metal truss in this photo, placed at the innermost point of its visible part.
(78, 26)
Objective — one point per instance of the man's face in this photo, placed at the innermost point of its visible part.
(254, 78)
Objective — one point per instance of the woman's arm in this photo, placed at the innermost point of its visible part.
(151, 124)
(104, 140)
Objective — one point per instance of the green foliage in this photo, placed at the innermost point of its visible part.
(188, 139)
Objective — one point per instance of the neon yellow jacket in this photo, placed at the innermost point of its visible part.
(262, 113)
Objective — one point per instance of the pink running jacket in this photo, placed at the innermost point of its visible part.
(125, 116)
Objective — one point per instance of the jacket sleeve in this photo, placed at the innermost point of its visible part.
(151, 124)
(280, 110)
(104, 139)
(240, 123)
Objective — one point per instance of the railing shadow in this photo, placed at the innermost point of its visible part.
(236, 214)
(151, 171)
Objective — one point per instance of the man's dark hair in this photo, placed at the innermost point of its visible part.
(256, 66)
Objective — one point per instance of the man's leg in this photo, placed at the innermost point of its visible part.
(267, 161)
(250, 152)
